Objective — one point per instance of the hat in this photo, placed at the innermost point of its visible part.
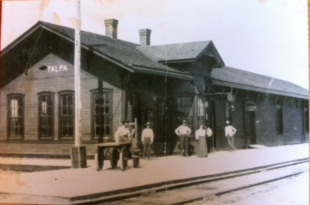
(227, 121)
(148, 123)
(126, 120)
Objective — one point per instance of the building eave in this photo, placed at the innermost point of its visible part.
(257, 89)
(21, 38)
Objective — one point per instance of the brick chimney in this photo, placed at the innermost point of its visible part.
(145, 37)
(111, 28)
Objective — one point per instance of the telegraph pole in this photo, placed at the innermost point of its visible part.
(78, 152)
(77, 75)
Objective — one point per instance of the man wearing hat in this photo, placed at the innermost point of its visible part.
(122, 133)
(147, 140)
(183, 131)
(230, 132)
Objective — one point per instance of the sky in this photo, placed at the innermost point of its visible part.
(268, 37)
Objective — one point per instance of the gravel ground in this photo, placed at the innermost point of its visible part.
(290, 191)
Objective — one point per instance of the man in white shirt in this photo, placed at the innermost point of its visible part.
(183, 131)
(122, 133)
(147, 140)
(230, 132)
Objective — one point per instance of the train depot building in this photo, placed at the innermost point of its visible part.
(122, 80)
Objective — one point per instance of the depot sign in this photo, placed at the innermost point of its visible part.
(57, 68)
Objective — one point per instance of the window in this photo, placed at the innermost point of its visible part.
(46, 115)
(15, 116)
(184, 109)
(279, 119)
(66, 115)
(102, 114)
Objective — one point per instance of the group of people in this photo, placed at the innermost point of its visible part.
(125, 134)
(203, 135)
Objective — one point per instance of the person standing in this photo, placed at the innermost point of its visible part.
(230, 132)
(200, 135)
(209, 134)
(183, 131)
(147, 140)
(122, 133)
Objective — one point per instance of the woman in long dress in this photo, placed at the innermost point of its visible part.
(200, 135)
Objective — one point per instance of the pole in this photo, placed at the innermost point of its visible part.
(77, 76)
(78, 152)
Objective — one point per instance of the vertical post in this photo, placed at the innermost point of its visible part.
(78, 152)
(136, 128)
(165, 118)
(77, 76)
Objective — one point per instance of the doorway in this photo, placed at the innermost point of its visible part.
(250, 128)
(145, 111)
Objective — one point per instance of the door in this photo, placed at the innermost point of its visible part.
(144, 111)
(250, 128)
(210, 119)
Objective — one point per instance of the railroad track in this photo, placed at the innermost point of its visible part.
(193, 189)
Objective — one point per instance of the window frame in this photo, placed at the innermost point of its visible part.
(60, 124)
(52, 116)
(22, 99)
(95, 92)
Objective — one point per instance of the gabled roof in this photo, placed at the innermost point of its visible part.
(240, 79)
(179, 52)
(172, 52)
(118, 51)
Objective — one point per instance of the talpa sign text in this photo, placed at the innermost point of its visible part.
(57, 68)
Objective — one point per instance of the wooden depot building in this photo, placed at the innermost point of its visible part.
(162, 84)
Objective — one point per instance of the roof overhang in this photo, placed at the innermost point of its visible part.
(20, 38)
(257, 89)
(42, 26)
